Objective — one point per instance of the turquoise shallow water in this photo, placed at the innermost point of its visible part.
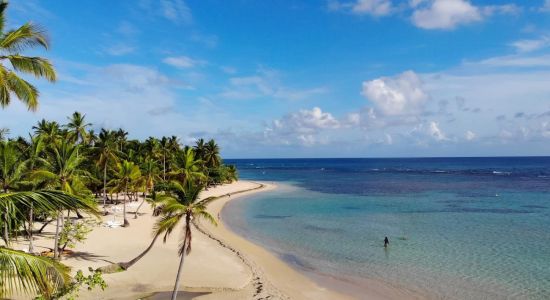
(455, 237)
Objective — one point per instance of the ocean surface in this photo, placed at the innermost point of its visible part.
(459, 228)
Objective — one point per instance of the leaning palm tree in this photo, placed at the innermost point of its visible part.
(179, 203)
(12, 43)
(126, 175)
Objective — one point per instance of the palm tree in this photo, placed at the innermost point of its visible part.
(12, 43)
(25, 272)
(63, 172)
(127, 173)
(48, 130)
(77, 127)
(149, 171)
(107, 153)
(11, 172)
(121, 137)
(212, 157)
(164, 148)
(187, 167)
(4, 132)
(179, 203)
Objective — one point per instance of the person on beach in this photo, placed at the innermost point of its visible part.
(386, 242)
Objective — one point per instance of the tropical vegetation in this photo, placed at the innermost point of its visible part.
(61, 173)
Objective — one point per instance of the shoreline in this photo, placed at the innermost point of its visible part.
(341, 288)
(222, 264)
(272, 276)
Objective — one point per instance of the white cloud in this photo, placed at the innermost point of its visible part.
(402, 94)
(435, 131)
(519, 61)
(183, 62)
(469, 135)
(529, 45)
(546, 6)
(300, 127)
(266, 83)
(120, 49)
(372, 7)
(176, 11)
(363, 7)
(446, 14)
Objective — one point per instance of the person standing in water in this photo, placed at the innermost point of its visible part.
(386, 242)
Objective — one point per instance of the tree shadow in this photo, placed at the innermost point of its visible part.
(87, 256)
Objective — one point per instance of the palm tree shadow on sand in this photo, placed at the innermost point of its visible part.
(181, 295)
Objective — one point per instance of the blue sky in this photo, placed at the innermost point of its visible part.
(356, 78)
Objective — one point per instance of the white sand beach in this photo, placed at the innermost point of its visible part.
(222, 265)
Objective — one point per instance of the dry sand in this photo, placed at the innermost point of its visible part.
(222, 264)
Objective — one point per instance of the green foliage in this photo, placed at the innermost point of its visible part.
(71, 290)
(73, 233)
(12, 43)
(28, 274)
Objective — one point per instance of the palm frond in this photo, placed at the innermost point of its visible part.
(27, 36)
(25, 91)
(37, 66)
(29, 274)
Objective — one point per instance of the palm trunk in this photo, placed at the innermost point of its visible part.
(6, 225)
(56, 239)
(31, 222)
(164, 164)
(127, 265)
(104, 185)
(186, 244)
(178, 276)
(137, 209)
(126, 223)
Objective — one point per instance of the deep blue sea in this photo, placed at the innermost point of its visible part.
(459, 228)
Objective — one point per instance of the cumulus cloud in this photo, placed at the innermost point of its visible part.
(469, 135)
(449, 14)
(446, 14)
(402, 94)
(183, 62)
(301, 127)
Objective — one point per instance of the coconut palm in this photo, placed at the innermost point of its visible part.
(77, 127)
(63, 172)
(4, 132)
(126, 175)
(180, 202)
(149, 172)
(12, 43)
(106, 153)
(164, 147)
(11, 173)
(187, 167)
(49, 131)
